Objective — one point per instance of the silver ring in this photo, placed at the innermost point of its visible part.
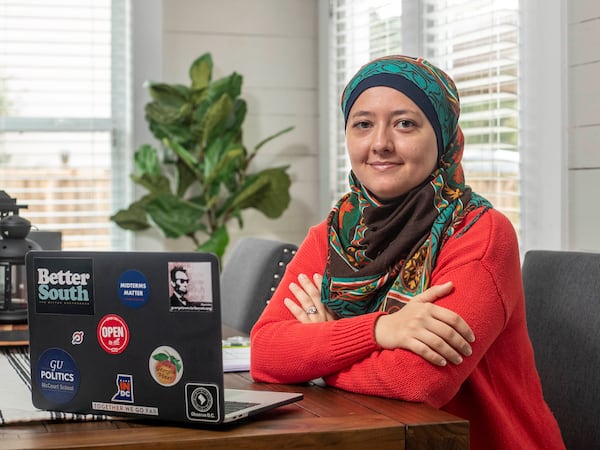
(311, 310)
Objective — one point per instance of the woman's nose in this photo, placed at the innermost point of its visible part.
(382, 141)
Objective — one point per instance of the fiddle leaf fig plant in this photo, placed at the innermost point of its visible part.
(200, 176)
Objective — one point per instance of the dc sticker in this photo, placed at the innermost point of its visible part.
(133, 289)
(113, 334)
(201, 402)
(124, 389)
(166, 366)
(57, 376)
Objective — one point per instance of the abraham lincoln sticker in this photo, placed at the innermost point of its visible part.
(190, 286)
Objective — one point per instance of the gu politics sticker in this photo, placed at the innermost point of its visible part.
(165, 365)
(57, 376)
(133, 289)
(63, 285)
(113, 334)
(201, 402)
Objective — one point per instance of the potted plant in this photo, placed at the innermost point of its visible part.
(200, 178)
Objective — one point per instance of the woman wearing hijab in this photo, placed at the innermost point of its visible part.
(411, 288)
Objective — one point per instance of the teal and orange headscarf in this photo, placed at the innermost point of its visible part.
(381, 254)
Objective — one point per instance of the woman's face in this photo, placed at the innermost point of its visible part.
(391, 144)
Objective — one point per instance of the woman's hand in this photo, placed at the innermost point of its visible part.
(308, 295)
(430, 331)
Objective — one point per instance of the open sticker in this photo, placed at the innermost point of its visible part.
(165, 365)
(113, 334)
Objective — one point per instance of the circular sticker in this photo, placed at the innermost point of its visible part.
(201, 399)
(133, 288)
(165, 365)
(57, 375)
(113, 334)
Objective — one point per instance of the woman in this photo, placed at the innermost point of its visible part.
(411, 288)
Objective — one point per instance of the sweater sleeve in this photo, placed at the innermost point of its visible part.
(481, 263)
(285, 350)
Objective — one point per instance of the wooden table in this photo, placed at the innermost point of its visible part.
(326, 418)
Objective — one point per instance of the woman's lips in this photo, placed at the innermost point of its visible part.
(383, 165)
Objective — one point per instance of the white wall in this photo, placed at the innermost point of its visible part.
(584, 124)
(273, 45)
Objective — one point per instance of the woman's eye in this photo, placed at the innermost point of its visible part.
(362, 124)
(404, 124)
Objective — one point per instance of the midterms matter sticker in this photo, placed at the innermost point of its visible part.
(113, 334)
(57, 376)
(133, 289)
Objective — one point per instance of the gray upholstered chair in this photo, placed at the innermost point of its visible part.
(562, 295)
(249, 277)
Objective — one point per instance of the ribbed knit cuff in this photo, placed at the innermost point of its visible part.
(354, 338)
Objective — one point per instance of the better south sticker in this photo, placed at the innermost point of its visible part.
(165, 365)
(113, 334)
(57, 376)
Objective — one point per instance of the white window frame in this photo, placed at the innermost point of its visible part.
(543, 122)
(117, 125)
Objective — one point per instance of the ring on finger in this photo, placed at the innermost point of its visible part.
(311, 310)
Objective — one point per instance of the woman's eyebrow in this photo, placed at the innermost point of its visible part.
(397, 112)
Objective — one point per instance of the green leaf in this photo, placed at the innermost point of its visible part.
(174, 216)
(181, 133)
(160, 357)
(167, 115)
(216, 118)
(201, 71)
(227, 164)
(217, 243)
(174, 95)
(231, 85)
(148, 168)
(267, 191)
(185, 178)
(133, 218)
(146, 160)
(264, 141)
(240, 108)
(186, 157)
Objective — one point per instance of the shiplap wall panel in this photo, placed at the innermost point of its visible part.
(273, 44)
(584, 123)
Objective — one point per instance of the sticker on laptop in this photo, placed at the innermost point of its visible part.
(202, 402)
(123, 408)
(57, 376)
(124, 392)
(166, 366)
(77, 337)
(63, 285)
(190, 286)
(113, 334)
(133, 289)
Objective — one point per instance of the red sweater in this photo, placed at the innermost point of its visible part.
(497, 388)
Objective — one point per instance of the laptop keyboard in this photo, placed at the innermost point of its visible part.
(233, 406)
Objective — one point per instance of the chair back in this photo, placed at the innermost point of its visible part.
(249, 277)
(562, 295)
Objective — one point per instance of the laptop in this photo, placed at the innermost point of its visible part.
(134, 334)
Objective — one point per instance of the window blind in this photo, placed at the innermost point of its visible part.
(59, 135)
(477, 43)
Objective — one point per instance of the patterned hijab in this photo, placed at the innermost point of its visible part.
(381, 254)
